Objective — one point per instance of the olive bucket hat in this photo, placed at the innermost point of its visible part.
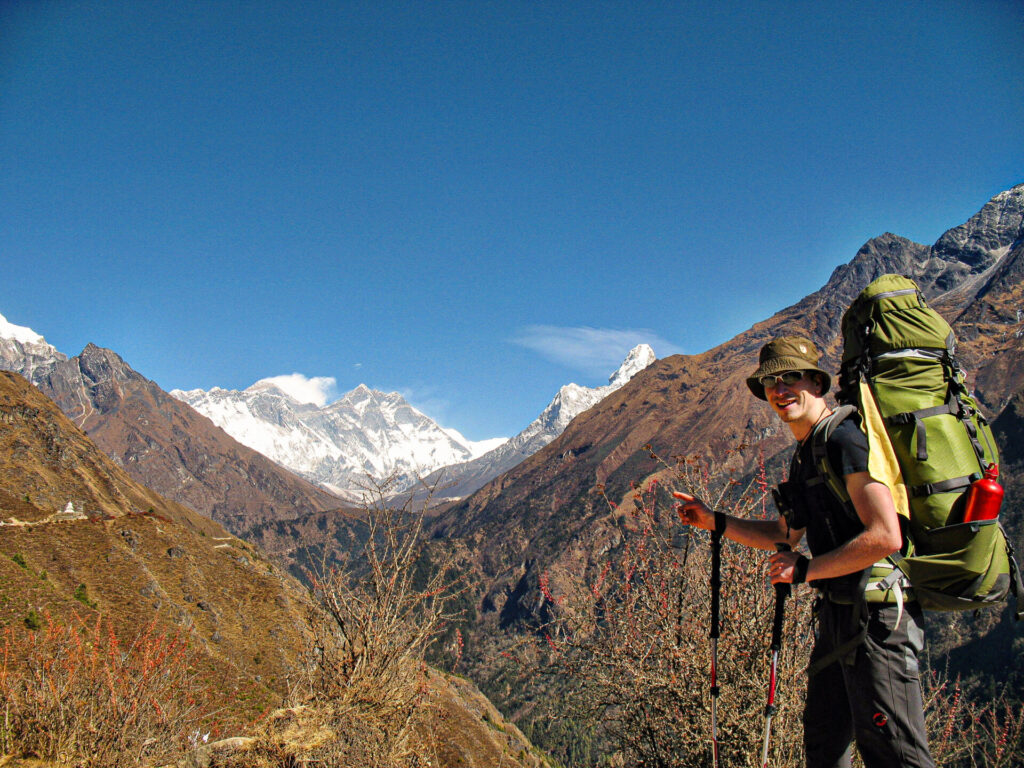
(786, 353)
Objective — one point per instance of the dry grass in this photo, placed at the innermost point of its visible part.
(634, 640)
(72, 693)
(972, 731)
(76, 695)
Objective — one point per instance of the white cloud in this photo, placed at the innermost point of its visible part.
(595, 351)
(318, 390)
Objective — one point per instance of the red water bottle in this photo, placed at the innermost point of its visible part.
(984, 497)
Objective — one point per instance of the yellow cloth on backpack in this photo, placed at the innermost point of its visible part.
(882, 463)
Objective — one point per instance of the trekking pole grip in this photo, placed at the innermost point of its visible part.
(716, 571)
(782, 591)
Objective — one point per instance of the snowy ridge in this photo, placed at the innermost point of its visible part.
(19, 333)
(570, 401)
(365, 434)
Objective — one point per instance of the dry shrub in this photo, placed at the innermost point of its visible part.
(76, 694)
(364, 685)
(972, 731)
(634, 641)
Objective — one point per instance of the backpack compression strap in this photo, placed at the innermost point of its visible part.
(954, 405)
(895, 581)
(917, 419)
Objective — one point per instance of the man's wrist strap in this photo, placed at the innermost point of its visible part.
(720, 521)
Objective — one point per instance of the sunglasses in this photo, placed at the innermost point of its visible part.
(789, 378)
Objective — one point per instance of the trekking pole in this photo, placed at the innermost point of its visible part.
(716, 590)
(782, 591)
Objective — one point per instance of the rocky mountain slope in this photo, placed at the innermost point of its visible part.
(988, 306)
(544, 513)
(161, 441)
(24, 351)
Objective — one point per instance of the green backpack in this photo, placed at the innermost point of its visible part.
(928, 442)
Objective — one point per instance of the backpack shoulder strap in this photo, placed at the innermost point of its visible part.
(826, 472)
(837, 486)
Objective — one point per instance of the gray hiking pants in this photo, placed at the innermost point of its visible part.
(872, 694)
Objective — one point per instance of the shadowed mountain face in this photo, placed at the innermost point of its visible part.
(70, 516)
(1009, 433)
(165, 444)
(543, 512)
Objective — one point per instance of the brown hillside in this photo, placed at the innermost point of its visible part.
(140, 556)
(124, 551)
(311, 542)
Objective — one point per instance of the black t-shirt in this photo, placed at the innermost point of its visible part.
(828, 521)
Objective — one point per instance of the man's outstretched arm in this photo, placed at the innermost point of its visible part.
(760, 534)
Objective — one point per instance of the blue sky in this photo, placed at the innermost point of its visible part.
(475, 202)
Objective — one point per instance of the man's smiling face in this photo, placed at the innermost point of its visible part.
(796, 402)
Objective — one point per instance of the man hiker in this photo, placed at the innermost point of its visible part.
(863, 679)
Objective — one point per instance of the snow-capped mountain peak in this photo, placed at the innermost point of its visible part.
(19, 333)
(569, 402)
(363, 434)
(267, 386)
(638, 358)
(572, 399)
(26, 352)
(318, 390)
